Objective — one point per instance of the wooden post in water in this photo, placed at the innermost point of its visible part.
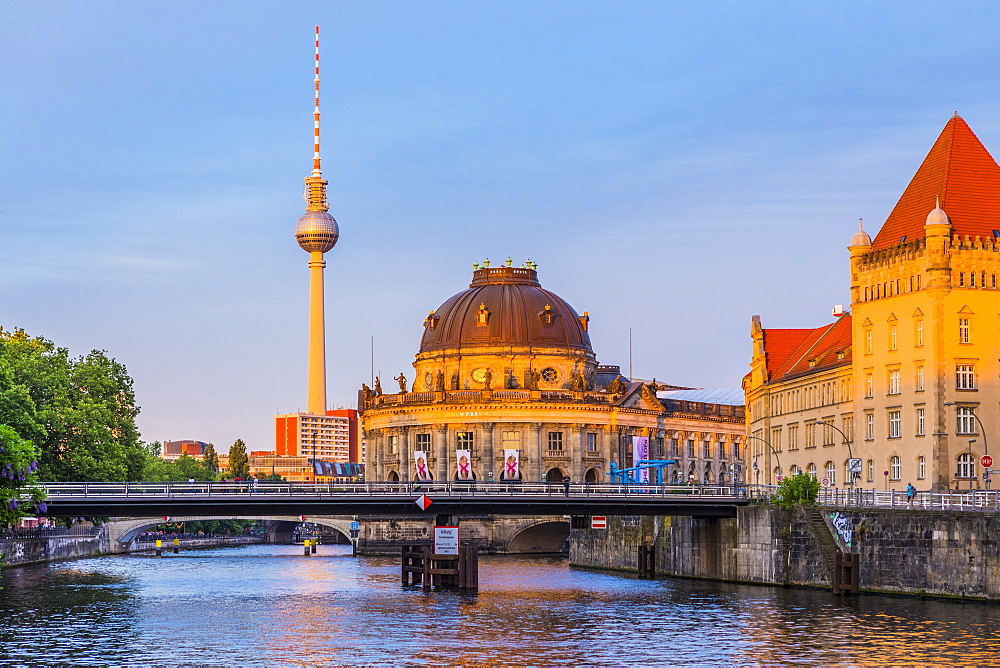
(313, 544)
(646, 566)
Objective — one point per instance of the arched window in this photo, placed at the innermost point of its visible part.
(965, 465)
(871, 470)
(795, 470)
(811, 469)
(831, 472)
(895, 468)
(921, 467)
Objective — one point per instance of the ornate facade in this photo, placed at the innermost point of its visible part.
(508, 365)
(910, 376)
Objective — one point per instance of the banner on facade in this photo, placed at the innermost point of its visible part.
(421, 471)
(511, 465)
(640, 451)
(464, 460)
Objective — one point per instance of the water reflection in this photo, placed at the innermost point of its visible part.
(269, 605)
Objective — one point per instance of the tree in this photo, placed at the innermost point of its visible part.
(799, 488)
(210, 457)
(183, 468)
(239, 464)
(19, 495)
(80, 412)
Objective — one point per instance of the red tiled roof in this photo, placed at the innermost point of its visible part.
(790, 350)
(960, 171)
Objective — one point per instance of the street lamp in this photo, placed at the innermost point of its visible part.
(847, 442)
(982, 430)
(776, 458)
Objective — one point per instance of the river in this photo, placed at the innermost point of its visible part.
(269, 605)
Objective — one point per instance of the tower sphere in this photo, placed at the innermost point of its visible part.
(317, 232)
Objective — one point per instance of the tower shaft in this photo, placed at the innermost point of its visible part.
(316, 394)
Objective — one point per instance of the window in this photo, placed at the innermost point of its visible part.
(895, 468)
(893, 339)
(894, 424)
(674, 449)
(868, 341)
(592, 442)
(921, 468)
(870, 427)
(963, 330)
(691, 448)
(919, 338)
(965, 377)
(847, 426)
(393, 444)
(775, 439)
(966, 465)
(423, 442)
(465, 440)
(894, 381)
(722, 448)
(869, 385)
(961, 279)
(512, 440)
(920, 422)
(811, 435)
(736, 449)
(831, 473)
(920, 378)
(812, 469)
(793, 437)
(794, 470)
(706, 448)
(965, 421)
(555, 441)
(871, 470)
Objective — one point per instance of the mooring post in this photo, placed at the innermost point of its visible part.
(425, 551)
(313, 544)
(159, 547)
(305, 545)
(177, 545)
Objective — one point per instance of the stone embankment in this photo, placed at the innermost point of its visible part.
(937, 553)
(35, 550)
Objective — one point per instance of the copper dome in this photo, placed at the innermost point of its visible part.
(505, 306)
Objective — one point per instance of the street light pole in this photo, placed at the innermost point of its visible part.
(776, 458)
(847, 442)
(982, 430)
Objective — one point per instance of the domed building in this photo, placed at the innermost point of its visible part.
(507, 386)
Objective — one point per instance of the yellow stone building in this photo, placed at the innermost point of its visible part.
(910, 377)
(507, 365)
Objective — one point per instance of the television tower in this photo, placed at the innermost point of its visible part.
(316, 233)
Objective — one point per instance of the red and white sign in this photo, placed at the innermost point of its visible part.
(423, 501)
(986, 461)
(302, 518)
(825, 482)
(598, 522)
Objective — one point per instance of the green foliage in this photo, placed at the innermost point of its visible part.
(80, 412)
(271, 477)
(211, 457)
(239, 463)
(183, 468)
(799, 488)
(19, 496)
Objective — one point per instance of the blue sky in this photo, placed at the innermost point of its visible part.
(672, 167)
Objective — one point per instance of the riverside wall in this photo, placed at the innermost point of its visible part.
(954, 554)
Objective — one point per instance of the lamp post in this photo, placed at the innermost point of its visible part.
(982, 430)
(850, 453)
(776, 458)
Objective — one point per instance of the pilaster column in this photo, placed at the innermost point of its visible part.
(488, 461)
(578, 450)
(441, 452)
(405, 456)
(377, 443)
(536, 430)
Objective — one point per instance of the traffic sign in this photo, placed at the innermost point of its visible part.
(825, 482)
(355, 526)
(423, 501)
(598, 522)
(986, 461)
(854, 465)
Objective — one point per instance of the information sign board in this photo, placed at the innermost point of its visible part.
(854, 465)
(445, 540)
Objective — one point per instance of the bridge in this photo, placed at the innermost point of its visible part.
(229, 499)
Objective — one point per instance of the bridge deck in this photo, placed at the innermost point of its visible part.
(283, 499)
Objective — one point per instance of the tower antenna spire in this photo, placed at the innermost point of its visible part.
(316, 160)
(315, 189)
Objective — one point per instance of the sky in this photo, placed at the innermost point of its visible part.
(674, 168)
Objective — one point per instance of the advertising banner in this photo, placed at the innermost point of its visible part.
(464, 460)
(421, 471)
(640, 450)
(511, 465)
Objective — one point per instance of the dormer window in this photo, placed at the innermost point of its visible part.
(902, 239)
(482, 316)
(841, 354)
(585, 321)
(812, 362)
(547, 316)
(431, 320)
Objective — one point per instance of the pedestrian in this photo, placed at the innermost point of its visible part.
(253, 483)
(911, 492)
(565, 481)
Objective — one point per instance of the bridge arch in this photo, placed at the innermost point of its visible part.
(124, 532)
(545, 537)
(554, 475)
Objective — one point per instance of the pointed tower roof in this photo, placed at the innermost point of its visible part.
(960, 171)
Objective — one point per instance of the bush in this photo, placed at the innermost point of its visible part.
(799, 488)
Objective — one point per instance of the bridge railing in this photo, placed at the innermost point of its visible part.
(972, 500)
(173, 490)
